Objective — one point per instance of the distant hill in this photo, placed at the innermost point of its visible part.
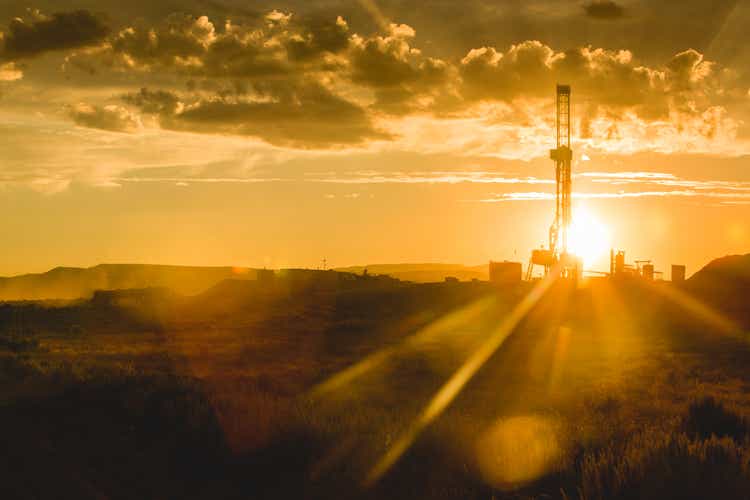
(73, 283)
(715, 275)
(724, 283)
(423, 273)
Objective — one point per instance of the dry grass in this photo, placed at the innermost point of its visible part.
(220, 408)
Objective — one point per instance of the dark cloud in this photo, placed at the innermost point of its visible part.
(402, 78)
(526, 69)
(112, 118)
(307, 115)
(317, 35)
(64, 30)
(613, 80)
(384, 61)
(312, 81)
(158, 102)
(604, 9)
(687, 69)
(272, 45)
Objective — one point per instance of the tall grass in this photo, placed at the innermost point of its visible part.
(706, 456)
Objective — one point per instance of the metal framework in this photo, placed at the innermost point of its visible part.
(556, 255)
(562, 156)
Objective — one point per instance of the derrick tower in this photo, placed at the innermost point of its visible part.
(556, 254)
(562, 156)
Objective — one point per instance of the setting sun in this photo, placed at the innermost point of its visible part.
(589, 238)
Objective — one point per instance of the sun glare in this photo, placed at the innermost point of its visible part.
(589, 238)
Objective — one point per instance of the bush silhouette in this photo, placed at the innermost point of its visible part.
(708, 417)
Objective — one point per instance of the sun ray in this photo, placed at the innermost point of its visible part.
(460, 378)
(377, 15)
(698, 309)
(437, 329)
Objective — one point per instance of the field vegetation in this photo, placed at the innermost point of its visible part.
(297, 389)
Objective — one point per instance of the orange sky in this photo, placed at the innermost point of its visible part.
(281, 134)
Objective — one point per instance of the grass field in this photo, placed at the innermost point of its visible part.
(609, 391)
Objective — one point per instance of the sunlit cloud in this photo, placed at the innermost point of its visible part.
(662, 179)
(198, 180)
(437, 177)
(543, 196)
(626, 175)
(10, 72)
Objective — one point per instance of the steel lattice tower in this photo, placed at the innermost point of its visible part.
(562, 156)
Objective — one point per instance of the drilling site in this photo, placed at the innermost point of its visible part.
(557, 259)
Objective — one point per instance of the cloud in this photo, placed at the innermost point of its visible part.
(526, 69)
(312, 82)
(112, 118)
(317, 36)
(433, 177)
(686, 98)
(663, 179)
(384, 61)
(49, 185)
(628, 176)
(63, 30)
(543, 196)
(158, 102)
(639, 185)
(305, 115)
(604, 9)
(402, 79)
(273, 45)
(531, 69)
(9, 72)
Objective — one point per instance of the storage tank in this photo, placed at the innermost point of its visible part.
(648, 271)
(542, 257)
(620, 262)
(678, 273)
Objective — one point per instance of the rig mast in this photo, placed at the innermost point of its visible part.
(557, 252)
(562, 156)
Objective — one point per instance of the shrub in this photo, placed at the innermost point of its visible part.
(709, 417)
(15, 343)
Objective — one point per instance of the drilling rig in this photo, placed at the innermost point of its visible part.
(556, 255)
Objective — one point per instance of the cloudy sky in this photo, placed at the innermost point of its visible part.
(226, 132)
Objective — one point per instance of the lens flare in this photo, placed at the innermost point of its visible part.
(518, 450)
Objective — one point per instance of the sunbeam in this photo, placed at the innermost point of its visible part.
(460, 378)
(698, 309)
(377, 15)
(437, 329)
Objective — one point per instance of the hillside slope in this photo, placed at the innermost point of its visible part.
(72, 283)
(724, 283)
(423, 272)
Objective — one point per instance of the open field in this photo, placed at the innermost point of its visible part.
(613, 390)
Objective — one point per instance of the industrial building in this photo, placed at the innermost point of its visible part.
(505, 273)
(678, 273)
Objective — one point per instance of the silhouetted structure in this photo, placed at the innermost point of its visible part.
(678, 273)
(505, 273)
(647, 271)
(616, 262)
(562, 155)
